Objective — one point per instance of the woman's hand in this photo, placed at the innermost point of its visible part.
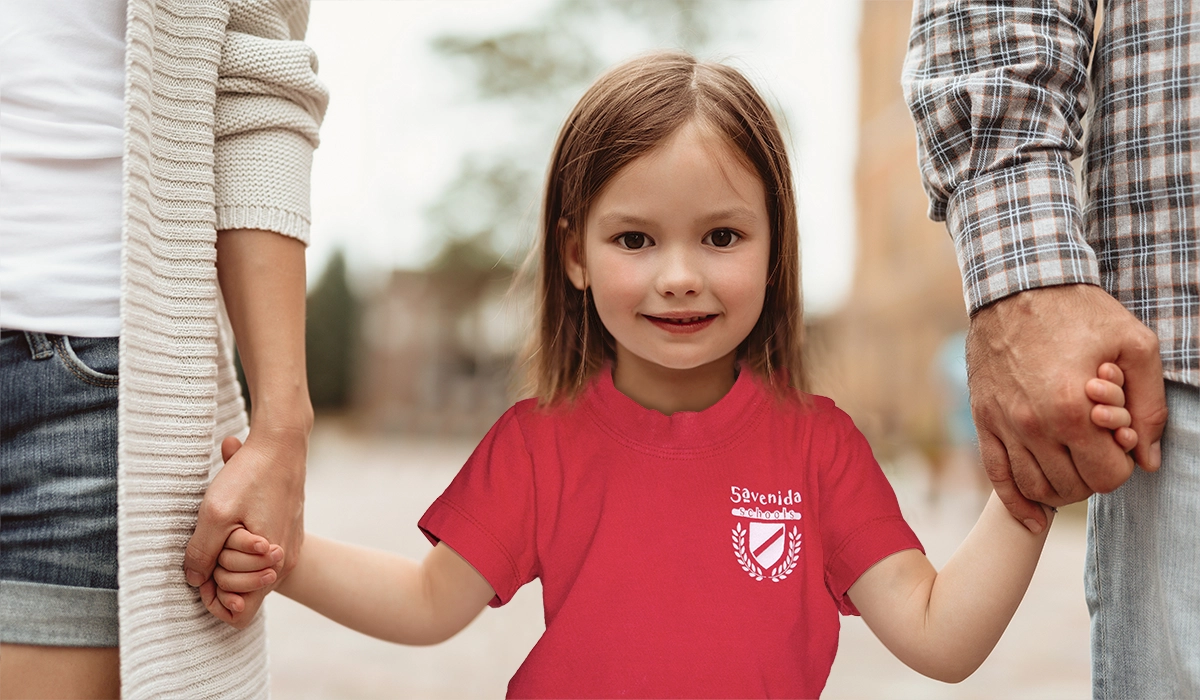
(261, 489)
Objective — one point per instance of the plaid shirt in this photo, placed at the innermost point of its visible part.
(999, 90)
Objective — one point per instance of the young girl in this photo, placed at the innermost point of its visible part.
(697, 522)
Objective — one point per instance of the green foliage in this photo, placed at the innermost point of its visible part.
(330, 338)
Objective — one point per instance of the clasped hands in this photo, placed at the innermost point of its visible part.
(1029, 359)
(261, 488)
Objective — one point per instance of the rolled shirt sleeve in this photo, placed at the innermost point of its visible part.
(269, 108)
(998, 91)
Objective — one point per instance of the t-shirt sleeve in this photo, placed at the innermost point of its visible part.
(861, 522)
(487, 513)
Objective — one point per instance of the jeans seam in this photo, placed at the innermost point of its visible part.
(71, 362)
(1100, 674)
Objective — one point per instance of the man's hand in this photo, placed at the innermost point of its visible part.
(1029, 357)
(261, 488)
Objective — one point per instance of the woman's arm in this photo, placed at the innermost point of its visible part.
(261, 488)
(388, 596)
(269, 106)
(944, 624)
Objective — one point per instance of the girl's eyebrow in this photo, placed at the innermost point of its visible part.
(736, 213)
(621, 219)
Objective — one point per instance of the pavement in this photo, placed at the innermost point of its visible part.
(371, 489)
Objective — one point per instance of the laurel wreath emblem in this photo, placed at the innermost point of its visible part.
(781, 570)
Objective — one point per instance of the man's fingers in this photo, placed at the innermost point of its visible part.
(1028, 476)
(995, 462)
(1145, 397)
(1112, 466)
(229, 447)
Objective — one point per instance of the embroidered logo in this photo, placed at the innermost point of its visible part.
(766, 543)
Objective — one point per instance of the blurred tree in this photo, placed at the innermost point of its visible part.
(331, 336)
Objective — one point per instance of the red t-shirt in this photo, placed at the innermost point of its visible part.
(702, 554)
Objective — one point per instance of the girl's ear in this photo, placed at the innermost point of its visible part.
(573, 257)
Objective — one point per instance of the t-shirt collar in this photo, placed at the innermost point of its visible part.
(685, 432)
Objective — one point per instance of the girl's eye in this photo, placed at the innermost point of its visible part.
(722, 238)
(634, 241)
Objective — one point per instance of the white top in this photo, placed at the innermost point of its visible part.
(62, 91)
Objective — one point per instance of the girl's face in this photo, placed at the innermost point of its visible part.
(677, 247)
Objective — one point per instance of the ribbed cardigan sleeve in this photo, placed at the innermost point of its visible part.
(269, 106)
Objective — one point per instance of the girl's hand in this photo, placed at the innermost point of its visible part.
(1110, 412)
(246, 564)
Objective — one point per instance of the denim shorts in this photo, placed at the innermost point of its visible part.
(58, 490)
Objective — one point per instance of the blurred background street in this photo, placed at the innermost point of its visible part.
(425, 199)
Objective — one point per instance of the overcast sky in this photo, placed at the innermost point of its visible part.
(402, 118)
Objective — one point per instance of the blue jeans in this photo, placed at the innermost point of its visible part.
(1143, 569)
(58, 490)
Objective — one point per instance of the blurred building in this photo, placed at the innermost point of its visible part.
(877, 356)
(438, 346)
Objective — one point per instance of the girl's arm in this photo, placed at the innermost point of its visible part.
(385, 595)
(376, 593)
(944, 624)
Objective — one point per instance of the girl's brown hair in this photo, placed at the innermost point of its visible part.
(629, 110)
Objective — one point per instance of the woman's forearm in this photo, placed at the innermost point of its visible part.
(944, 624)
(261, 487)
(262, 278)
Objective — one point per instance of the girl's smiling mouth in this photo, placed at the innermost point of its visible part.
(682, 324)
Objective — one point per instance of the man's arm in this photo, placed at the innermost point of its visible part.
(998, 91)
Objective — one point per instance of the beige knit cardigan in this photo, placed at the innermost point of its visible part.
(222, 106)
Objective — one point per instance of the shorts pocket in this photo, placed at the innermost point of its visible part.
(92, 360)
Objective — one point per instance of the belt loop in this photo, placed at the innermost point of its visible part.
(39, 345)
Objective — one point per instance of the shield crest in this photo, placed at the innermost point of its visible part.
(766, 542)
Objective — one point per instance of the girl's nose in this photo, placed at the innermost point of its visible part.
(679, 276)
